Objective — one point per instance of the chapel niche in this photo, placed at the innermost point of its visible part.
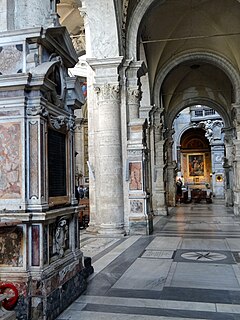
(195, 158)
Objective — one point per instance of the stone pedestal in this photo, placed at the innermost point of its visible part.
(140, 217)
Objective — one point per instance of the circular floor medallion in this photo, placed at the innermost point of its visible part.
(203, 256)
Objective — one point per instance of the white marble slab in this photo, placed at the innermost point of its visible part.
(204, 244)
(93, 246)
(145, 274)
(233, 243)
(163, 254)
(103, 262)
(205, 276)
(228, 308)
(89, 315)
(164, 243)
(148, 303)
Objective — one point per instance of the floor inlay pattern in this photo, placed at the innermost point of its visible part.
(211, 255)
(189, 269)
(204, 256)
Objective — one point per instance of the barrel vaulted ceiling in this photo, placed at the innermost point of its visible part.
(171, 28)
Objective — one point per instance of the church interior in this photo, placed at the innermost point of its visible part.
(119, 159)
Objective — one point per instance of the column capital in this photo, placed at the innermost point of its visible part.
(108, 91)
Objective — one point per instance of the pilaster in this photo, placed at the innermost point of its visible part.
(133, 74)
(140, 217)
(236, 157)
(228, 165)
(159, 165)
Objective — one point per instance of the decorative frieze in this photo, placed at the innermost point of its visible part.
(137, 152)
(37, 111)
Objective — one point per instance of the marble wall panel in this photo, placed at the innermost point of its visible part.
(11, 59)
(11, 248)
(35, 245)
(45, 244)
(10, 161)
(33, 161)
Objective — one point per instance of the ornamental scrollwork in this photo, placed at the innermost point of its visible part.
(58, 122)
(212, 128)
(37, 111)
(71, 123)
(134, 96)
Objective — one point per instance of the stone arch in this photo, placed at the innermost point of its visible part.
(134, 23)
(209, 57)
(203, 101)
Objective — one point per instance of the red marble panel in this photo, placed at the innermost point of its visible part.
(35, 246)
(33, 133)
(135, 169)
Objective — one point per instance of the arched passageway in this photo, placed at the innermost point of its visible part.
(169, 55)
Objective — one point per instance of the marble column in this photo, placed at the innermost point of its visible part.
(108, 159)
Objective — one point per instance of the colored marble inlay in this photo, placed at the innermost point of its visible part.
(135, 169)
(33, 132)
(10, 161)
(35, 246)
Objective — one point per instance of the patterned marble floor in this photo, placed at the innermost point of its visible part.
(188, 269)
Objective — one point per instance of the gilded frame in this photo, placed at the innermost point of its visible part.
(196, 165)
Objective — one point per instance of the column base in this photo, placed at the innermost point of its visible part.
(142, 225)
(163, 211)
(111, 229)
(236, 209)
